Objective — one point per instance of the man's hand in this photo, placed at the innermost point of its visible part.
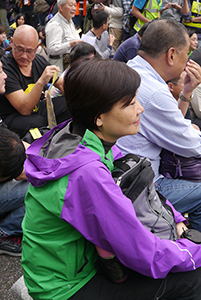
(48, 73)
(192, 79)
(111, 39)
(101, 6)
(74, 42)
(168, 5)
(176, 6)
(196, 127)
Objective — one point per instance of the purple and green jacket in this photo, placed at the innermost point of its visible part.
(72, 204)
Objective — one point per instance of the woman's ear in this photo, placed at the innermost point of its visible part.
(99, 121)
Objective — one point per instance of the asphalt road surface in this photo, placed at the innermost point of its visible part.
(10, 272)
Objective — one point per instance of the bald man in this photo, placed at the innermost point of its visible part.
(22, 107)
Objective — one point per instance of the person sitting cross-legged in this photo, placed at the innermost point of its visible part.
(23, 105)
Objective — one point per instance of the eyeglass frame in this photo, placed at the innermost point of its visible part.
(175, 82)
(28, 52)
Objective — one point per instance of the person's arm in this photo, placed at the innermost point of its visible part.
(177, 215)
(113, 11)
(196, 19)
(164, 126)
(136, 12)
(168, 5)
(23, 103)
(196, 102)
(54, 36)
(119, 55)
(107, 219)
(60, 84)
(185, 9)
(187, 18)
(109, 51)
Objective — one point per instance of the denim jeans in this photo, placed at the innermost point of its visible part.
(185, 196)
(12, 195)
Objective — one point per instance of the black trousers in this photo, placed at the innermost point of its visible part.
(186, 286)
(21, 124)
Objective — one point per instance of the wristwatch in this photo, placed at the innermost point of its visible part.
(184, 98)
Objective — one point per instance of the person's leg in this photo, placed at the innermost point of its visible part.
(21, 124)
(12, 195)
(185, 285)
(41, 18)
(118, 34)
(139, 287)
(3, 19)
(185, 196)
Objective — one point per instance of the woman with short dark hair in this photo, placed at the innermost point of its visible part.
(74, 205)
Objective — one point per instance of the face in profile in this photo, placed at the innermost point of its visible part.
(3, 76)
(120, 121)
(193, 41)
(181, 60)
(176, 86)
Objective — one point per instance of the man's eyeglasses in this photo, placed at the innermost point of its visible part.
(175, 82)
(21, 50)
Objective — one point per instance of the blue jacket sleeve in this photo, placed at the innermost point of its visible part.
(139, 3)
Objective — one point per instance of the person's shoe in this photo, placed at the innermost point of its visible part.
(11, 245)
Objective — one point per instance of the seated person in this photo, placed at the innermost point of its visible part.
(175, 10)
(77, 51)
(27, 75)
(42, 49)
(3, 43)
(195, 104)
(19, 20)
(128, 49)
(103, 40)
(195, 107)
(193, 38)
(176, 86)
(162, 123)
(12, 192)
(74, 204)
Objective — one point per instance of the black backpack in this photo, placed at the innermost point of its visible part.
(134, 175)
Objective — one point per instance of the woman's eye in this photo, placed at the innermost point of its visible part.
(132, 103)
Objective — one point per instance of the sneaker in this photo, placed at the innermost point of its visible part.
(11, 245)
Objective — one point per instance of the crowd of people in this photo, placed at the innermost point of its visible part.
(89, 83)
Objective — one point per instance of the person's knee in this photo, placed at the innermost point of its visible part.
(22, 124)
